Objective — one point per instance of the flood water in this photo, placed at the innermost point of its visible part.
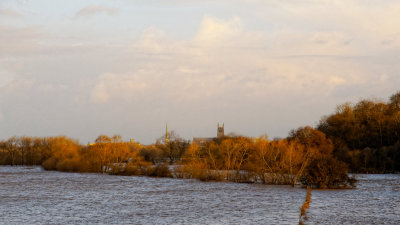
(33, 196)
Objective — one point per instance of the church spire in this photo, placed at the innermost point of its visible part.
(166, 133)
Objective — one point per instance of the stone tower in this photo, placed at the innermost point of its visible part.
(220, 131)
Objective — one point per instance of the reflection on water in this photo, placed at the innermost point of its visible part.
(33, 196)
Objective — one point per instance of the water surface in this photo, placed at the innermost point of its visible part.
(33, 196)
(376, 200)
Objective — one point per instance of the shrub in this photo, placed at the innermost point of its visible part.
(160, 170)
(68, 165)
(49, 164)
(327, 172)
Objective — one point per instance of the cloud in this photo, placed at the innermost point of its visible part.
(16, 85)
(151, 41)
(100, 93)
(19, 40)
(10, 13)
(215, 31)
(93, 10)
(49, 87)
(222, 61)
(110, 86)
(351, 18)
(5, 78)
(272, 60)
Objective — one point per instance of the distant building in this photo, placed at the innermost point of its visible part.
(203, 140)
(221, 131)
(166, 134)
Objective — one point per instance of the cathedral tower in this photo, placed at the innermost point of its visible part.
(220, 131)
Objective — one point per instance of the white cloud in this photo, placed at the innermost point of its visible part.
(366, 23)
(217, 31)
(17, 40)
(222, 60)
(266, 60)
(93, 10)
(152, 41)
(334, 80)
(10, 13)
(100, 94)
(109, 86)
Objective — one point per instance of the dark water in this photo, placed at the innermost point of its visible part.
(376, 200)
(33, 196)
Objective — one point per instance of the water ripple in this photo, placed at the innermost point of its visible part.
(34, 196)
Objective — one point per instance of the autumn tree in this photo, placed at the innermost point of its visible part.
(312, 138)
(25, 147)
(319, 168)
(64, 154)
(264, 160)
(152, 153)
(193, 164)
(327, 172)
(103, 150)
(234, 152)
(11, 147)
(365, 127)
(172, 150)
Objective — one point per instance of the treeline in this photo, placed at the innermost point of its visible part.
(107, 155)
(28, 150)
(305, 157)
(366, 135)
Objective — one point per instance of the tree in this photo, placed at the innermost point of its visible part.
(152, 153)
(25, 146)
(11, 147)
(102, 139)
(64, 154)
(234, 152)
(262, 160)
(312, 138)
(175, 149)
(194, 165)
(327, 172)
(395, 101)
(103, 149)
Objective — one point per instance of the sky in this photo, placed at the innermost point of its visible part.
(82, 68)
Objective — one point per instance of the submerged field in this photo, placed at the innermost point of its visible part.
(33, 196)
